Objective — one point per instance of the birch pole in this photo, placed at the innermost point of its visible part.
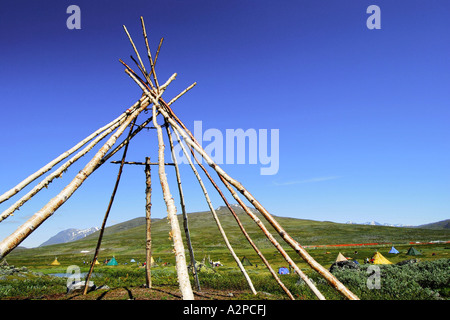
(141, 126)
(332, 280)
(216, 218)
(149, 54)
(286, 237)
(8, 194)
(183, 276)
(180, 259)
(247, 236)
(144, 71)
(164, 182)
(183, 210)
(274, 242)
(148, 206)
(258, 222)
(57, 174)
(39, 217)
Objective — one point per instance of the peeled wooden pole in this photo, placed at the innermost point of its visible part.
(8, 194)
(183, 210)
(57, 173)
(183, 276)
(38, 218)
(180, 259)
(144, 71)
(216, 218)
(259, 223)
(286, 237)
(145, 99)
(333, 281)
(108, 210)
(148, 206)
(155, 101)
(274, 242)
(149, 54)
(247, 236)
(181, 93)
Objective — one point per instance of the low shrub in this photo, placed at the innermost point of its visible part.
(417, 281)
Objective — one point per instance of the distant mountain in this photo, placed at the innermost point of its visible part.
(236, 207)
(128, 238)
(444, 224)
(123, 226)
(69, 235)
(375, 223)
(440, 225)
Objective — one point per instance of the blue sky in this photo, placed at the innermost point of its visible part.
(362, 114)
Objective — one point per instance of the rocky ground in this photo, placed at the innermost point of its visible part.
(8, 271)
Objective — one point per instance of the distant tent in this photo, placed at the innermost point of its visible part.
(378, 258)
(132, 260)
(158, 259)
(112, 262)
(96, 262)
(283, 270)
(340, 257)
(413, 252)
(55, 262)
(393, 250)
(246, 262)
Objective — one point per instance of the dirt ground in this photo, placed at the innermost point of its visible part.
(158, 293)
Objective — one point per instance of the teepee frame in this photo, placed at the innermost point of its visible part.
(152, 98)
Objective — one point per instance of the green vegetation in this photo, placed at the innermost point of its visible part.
(422, 281)
(428, 279)
(417, 281)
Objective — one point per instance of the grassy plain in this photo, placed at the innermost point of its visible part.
(126, 241)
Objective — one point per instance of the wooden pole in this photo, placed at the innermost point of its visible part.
(58, 173)
(157, 51)
(183, 210)
(180, 259)
(332, 280)
(247, 236)
(144, 163)
(259, 223)
(136, 131)
(286, 237)
(144, 71)
(156, 106)
(38, 218)
(275, 243)
(148, 206)
(123, 143)
(216, 218)
(181, 93)
(108, 210)
(8, 194)
(149, 54)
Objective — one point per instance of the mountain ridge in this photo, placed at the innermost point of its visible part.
(202, 225)
(69, 235)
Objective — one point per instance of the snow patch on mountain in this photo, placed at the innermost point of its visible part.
(375, 223)
(69, 235)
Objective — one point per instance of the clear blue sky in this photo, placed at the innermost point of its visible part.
(363, 114)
